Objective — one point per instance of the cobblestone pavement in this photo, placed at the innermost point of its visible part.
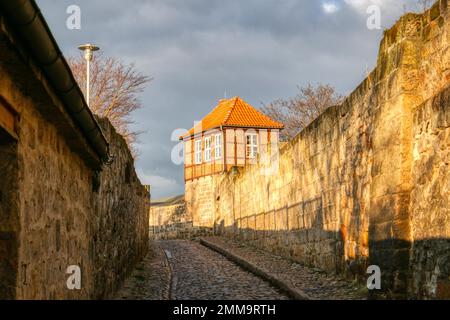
(150, 279)
(200, 273)
(186, 270)
(314, 282)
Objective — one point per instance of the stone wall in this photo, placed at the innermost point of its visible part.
(200, 201)
(119, 226)
(170, 220)
(430, 199)
(353, 189)
(56, 209)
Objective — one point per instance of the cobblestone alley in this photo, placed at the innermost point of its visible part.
(187, 270)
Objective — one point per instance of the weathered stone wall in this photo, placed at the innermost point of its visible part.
(9, 219)
(200, 201)
(350, 189)
(119, 226)
(430, 199)
(55, 209)
(171, 220)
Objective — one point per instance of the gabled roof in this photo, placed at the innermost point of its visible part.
(234, 112)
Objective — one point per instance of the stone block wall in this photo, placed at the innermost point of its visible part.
(430, 199)
(170, 220)
(56, 208)
(364, 184)
(119, 225)
(200, 201)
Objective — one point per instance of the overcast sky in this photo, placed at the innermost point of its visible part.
(196, 50)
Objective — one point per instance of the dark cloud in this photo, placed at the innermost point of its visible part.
(198, 49)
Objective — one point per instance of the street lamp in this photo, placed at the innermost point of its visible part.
(89, 50)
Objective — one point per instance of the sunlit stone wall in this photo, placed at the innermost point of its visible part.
(367, 182)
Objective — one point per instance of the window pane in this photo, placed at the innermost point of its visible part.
(208, 149)
(218, 146)
(198, 151)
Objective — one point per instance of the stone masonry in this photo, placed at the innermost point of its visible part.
(430, 199)
(169, 219)
(367, 183)
(57, 209)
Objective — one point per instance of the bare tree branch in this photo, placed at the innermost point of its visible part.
(297, 112)
(424, 4)
(114, 89)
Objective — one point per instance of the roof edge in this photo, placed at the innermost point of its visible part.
(187, 135)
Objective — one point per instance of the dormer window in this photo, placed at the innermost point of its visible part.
(252, 145)
(208, 149)
(198, 151)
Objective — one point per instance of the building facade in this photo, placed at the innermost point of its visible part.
(233, 134)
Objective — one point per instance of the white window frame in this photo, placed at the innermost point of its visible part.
(218, 143)
(252, 148)
(208, 148)
(198, 151)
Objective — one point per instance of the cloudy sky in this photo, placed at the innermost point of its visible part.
(198, 50)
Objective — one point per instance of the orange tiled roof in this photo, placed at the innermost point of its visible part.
(234, 112)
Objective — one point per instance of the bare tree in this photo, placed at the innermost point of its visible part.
(297, 112)
(114, 90)
(424, 4)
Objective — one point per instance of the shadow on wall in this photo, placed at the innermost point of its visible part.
(428, 261)
(9, 219)
(313, 246)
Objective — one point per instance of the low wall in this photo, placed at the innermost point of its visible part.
(364, 184)
(169, 219)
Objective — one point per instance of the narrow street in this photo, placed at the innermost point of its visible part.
(193, 272)
(201, 274)
(188, 270)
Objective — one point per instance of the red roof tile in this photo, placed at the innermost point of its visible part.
(234, 112)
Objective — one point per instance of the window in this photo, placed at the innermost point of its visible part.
(208, 149)
(198, 151)
(218, 146)
(252, 145)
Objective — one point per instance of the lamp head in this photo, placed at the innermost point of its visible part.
(88, 50)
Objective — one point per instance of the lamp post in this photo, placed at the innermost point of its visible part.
(88, 50)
